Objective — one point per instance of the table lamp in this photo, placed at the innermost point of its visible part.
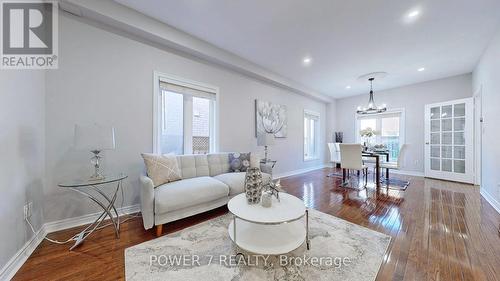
(95, 138)
(265, 140)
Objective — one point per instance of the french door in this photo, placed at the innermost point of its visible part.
(449, 140)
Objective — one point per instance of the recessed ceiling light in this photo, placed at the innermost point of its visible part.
(307, 60)
(421, 69)
(413, 13)
(348, 87)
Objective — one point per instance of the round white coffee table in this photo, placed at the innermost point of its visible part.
(270, 231)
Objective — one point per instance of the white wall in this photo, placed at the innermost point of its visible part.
(486, 78)
(107, 78)
(331, 124)
(412, 98)
(22, 115)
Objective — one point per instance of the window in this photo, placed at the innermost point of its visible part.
(185, 117)
(172, 123)
(201, 125)
(368, 123)
(311, 135)
(390, 128)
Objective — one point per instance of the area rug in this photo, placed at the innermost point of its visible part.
(395, 183)
(339, 251)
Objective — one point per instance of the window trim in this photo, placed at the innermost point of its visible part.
(169, 78)
(316, 139)
(402, 123)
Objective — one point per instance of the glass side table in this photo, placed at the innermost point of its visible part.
(267, 166)
(92, 190)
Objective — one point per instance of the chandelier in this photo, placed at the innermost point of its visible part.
(371, 108)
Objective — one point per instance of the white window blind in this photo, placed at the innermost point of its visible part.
(186, 90)
(312, 116)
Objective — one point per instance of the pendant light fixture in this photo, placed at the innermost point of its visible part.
(371, 108)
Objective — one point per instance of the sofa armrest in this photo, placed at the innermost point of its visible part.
(147, 201)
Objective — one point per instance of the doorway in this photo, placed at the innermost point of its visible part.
(449, 140)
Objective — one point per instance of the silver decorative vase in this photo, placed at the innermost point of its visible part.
(253, 185)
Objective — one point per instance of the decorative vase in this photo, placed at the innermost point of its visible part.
(267, 199)
(253, 185)
(339, 137)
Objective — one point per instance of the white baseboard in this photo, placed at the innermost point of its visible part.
(85, 219)
(493, 202)
(408, 173)
(300, 171)
(15, 263)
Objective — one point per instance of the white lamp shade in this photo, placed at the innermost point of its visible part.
(94, 137)
(265, 139)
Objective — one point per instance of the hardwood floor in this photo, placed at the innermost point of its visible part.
(441, 231)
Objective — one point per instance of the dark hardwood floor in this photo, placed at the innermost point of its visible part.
(441, 231)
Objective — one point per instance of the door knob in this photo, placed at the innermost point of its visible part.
(427, 143)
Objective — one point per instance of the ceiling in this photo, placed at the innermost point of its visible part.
(343, 39)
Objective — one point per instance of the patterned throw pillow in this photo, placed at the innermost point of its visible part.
(162, 168)
(239, 162)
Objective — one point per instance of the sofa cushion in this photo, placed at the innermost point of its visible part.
(218, 163)
(236, 181)
(193, 165)
(188, 192)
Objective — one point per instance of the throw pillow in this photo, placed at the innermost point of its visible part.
(162, 168)
(239, 162)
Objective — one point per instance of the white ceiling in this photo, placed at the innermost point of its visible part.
(345, 39)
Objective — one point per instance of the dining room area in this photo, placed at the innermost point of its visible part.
(353, 160)
(406, 163)
(377, 152)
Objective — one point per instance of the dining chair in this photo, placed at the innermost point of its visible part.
(395, 165)
(370, 162)
(334, 149)
(351, 159)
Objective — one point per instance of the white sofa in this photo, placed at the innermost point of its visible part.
(206, 184)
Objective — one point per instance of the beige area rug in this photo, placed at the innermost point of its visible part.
(339, 251)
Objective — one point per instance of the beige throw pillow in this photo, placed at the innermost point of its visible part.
(162, 168)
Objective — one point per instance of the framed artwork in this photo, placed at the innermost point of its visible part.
(270, 118)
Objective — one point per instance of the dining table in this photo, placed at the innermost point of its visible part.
(377, 154)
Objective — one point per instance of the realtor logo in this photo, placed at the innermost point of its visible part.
(29, 35)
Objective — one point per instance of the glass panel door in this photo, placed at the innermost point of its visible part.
(449, 140)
